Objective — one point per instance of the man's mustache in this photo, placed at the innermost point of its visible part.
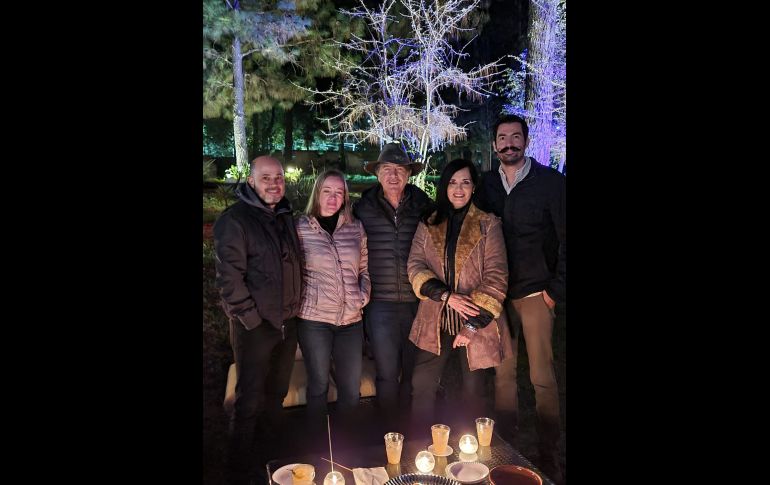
(509, 149)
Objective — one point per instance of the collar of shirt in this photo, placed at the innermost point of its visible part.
(520, 174)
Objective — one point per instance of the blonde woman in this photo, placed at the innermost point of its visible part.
(336, 288)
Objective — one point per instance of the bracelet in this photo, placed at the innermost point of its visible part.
(445, 296)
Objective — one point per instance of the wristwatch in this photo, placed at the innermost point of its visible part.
(445, 296)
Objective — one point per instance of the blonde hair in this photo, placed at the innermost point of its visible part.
(314, 205)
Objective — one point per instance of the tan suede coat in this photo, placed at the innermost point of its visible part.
(481, 271)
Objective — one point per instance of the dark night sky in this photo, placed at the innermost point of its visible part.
(504, 33)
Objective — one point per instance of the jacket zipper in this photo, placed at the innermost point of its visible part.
(398, 255)
(340, 273)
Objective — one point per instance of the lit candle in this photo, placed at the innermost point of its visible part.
(468, 444)
(425, 461)
(334, 478)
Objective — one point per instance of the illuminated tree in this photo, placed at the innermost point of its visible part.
(238, 29)
(395, 92)
(538, 91)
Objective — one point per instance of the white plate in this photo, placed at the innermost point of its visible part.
(447, 452)
(467, 472)
(282, 476)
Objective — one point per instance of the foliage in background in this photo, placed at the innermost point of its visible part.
(209, 169)
(298, 191)
(430, 177)
(218, 138)
(515, 87)
(238, 174)
(283, 53)
(396, 93)
(293, 175)
(215, 202)
(371, 179)
(257, 30)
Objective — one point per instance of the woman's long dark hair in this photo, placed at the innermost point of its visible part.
(442, 205)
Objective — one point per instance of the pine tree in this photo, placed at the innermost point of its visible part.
(237, 30)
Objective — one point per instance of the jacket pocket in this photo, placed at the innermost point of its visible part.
(250, 319)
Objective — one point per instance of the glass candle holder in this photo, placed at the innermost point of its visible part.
(468, 444)
(334, 478)
(302, 474)
(425, 462)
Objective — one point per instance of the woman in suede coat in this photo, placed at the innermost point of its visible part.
(458, 268)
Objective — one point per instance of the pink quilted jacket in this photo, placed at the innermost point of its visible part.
(335, 273)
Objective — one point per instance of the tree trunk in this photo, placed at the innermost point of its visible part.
(540, 98)
(288, 135)
(239, 122)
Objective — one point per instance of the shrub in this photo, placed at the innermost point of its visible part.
(235, 173)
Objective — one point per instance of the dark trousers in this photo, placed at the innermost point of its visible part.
(264, 358)
(388, 325)
(320, 342)
(428, 369)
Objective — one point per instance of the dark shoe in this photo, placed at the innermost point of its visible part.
(551, 468)
(507, 425)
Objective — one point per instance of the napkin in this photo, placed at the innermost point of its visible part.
(370, 476)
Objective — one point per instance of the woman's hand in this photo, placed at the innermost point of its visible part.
(460, 341)
(463, 305)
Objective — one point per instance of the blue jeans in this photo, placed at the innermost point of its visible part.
(320, 342)
(388, 325)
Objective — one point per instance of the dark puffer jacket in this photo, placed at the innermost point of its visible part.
(249, 261)
(389, 238)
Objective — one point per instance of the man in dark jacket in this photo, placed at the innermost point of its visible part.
(530, 199)
(390, 212)
(259, 278)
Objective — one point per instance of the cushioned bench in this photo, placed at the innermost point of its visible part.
(297, 395)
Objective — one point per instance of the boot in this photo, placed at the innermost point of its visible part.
(549, 464)
(239, 457)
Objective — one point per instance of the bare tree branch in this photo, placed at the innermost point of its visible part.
(395, 91)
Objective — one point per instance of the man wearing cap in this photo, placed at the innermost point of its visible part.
(390, 212)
